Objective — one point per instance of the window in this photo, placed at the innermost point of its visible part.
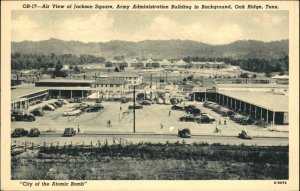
(111, 85)
(117, 86)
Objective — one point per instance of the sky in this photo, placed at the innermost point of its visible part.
(212, 27)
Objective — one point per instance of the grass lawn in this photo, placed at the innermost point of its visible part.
(147, 161)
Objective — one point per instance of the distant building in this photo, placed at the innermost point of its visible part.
(133, 79)
(111, 84)
(208, 64)
(284, 79)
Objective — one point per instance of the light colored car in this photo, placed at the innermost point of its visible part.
(72, 113)
(167, 102)
(160, 101)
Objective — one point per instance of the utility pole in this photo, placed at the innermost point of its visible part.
(151, 81)
(133, 109)
(166, 77)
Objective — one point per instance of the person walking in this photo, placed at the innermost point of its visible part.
(108, 123)
(169, 113)
(161, 125)
(219, 121)
(225, 121)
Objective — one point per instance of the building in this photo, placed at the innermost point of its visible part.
(262, 105)
(65, 83)
(133, 79)
(23, 97)
(284, 79)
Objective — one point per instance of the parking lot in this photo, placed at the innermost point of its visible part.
(155, 119)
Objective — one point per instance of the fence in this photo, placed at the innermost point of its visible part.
(21, 147)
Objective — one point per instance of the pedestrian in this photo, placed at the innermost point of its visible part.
(219, 121)
(161, 125)
(225, 121)
(120, 108)
(169, 113)
(108, 123)
(78, 129)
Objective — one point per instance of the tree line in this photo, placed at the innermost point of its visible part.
(21, 61)
(251, 64)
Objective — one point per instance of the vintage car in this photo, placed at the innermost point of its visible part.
(184, 133)
(69, 132)
(19, 132)
(34, 132)
(243, 135)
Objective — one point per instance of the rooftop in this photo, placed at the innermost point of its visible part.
(20, 92)
(268, 101)
(253, 85)
(113, 81)
(121, 74)
(66, 81)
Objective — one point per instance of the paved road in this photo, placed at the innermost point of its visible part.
(57, 139)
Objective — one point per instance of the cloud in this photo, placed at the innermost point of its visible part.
(162, 27)
(24, 28)
(93, 28)
(267, 18)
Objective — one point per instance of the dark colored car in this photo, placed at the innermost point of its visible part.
(34, 132)
(246, 121)
(191, 109)
(19, 132)
(48, 108)
(69, 132)
(124, 100)
(176, 107)
(184, 133)
(58, 103)
(98, 101)
(37, 112)
(189, 119)
(205, 119)
(145, 102)
(136, 107)
(243, 135)
(174, 101)
(94, 108)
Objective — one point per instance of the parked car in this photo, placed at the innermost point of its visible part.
(98, 100)
(48, 107)
(54, 105)
(20, 115)
(58, 104)
(37, 112)
(167, 102)
(19, 132)
(124, 100)
(246, 121)
(72, 113)
(160, 101)
(207, 103)
(145, 102)
(243, 135)
(189, 119)
(69, 132)
(136, 107)
(177, 107)
(236, 117)
(216, 107)
(174, 101)
(34, 132)
(184, 133)
(211, 118)
(63, 101)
